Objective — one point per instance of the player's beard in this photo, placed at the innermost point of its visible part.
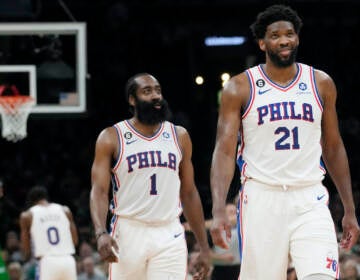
(148, 114)
(280, 62)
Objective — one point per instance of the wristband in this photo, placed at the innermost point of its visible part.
(97, 235)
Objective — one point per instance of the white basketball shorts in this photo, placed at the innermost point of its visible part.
(281, 222)
(151, 252)
(56, 268)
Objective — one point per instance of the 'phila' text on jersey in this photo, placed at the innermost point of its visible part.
(285, 111)
(151, 159)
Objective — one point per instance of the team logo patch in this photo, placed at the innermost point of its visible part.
(260, 83)
(166, 135)
(128, 135)
(302, 86)
(331, 263)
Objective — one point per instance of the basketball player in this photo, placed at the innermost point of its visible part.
(285, 113)
(49, 230)
(148, 161)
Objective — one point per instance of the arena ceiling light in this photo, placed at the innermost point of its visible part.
(217, 41)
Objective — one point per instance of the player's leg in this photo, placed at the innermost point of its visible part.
(263, 229)
(47, 268)
(57, 267)
(69, 270)
(132, 241)
(313, 245)
(127, 270)
(168, 255)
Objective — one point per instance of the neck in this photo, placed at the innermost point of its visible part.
(280, 75)
(43, 202)
(144, 129)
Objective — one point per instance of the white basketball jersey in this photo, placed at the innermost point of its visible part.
(50, 231)
(281, 130)
(146, 183)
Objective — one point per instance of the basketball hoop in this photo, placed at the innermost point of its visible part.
(14, 112)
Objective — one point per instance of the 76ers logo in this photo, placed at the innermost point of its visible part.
(331, 264)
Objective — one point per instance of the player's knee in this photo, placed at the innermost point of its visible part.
(318, 277)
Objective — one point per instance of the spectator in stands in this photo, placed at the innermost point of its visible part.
(15, 271)
(90, 272)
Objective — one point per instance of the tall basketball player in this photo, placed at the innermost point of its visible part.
(48, 232)
(285, 113)
(148, 161)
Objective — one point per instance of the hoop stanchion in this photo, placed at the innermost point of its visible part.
(14, 112)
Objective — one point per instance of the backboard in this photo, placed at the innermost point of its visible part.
(46, 61)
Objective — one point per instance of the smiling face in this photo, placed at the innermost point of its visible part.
(280, 43)
(150, 106)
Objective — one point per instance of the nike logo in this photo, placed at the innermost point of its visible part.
(131, 141)
(264, 91)
(177, 235)
(319, 197)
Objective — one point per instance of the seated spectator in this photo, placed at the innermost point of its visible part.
(12, 247)
(15, 271)
(87, 250)
(8, 214)
(349, 270)
(90, 272)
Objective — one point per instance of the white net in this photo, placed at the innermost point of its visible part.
(14, 112)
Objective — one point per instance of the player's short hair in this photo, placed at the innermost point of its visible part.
(131, 87)
(273, 14)
(36, 194)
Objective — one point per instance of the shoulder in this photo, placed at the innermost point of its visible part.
(322, 77)
(180, 130)
(237, 84)
(107, 138)
(67, 211)
(25, 214)
(182, 135)
(183, 138)
(325, 85)
(236, 91)
(25, 217)
(107, 134)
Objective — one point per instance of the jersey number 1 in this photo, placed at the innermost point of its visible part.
(153, 190)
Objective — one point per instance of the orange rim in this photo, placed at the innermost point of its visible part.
(15, 99)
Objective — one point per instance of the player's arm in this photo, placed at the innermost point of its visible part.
(335, 157)
(235, 91)
(25, 236)
(105, 149)
(190, 200)
(73, 229)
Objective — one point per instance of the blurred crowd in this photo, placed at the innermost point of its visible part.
(226, 263)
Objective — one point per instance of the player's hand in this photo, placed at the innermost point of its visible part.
(220, 230)
(202, 265)
(351, 232)
(107, 248)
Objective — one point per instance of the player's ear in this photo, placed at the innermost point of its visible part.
(132, 100)
(262, 46)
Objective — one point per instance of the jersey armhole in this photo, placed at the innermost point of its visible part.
(121, 145)
(252, 93)
(317, 96)
(176, 139)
